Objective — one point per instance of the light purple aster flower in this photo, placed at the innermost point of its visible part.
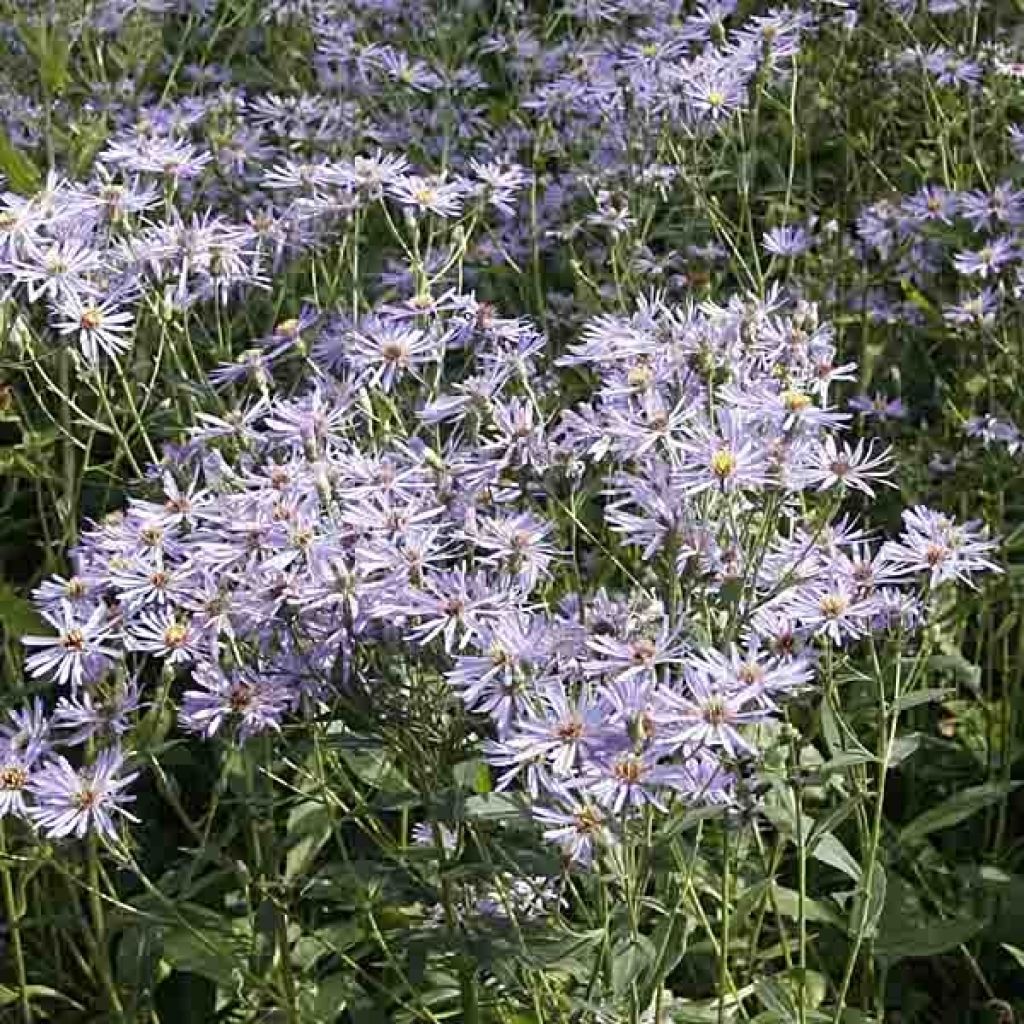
(18, 768)
(29, 727)
(560, 730)
(79, 653)
(707, 709)
(69, 802)
(253, 703)
(788, 240)
(101, 326)
(979, 310)
(578, 827)
(878, 406)
(519, 546)
(627, 780)
(165, 634)
(933, 543)
(92, 715)
(992, 430)
(851, 467)
(989, 260)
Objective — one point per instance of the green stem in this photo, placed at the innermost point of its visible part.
(467, 979)
(723, 955)
(99, 927)
(887, 738)
(13, 914)
(801, 853)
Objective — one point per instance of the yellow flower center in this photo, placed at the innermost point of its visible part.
(13, 777)
(723, 463)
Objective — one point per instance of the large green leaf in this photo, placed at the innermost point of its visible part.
(829, 850)
(17, 615)
(22, 175)
(309, 828)
(907, 930)
(10, 996)
(955, 809)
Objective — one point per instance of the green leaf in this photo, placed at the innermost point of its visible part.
(17, 615)
(955, 809)
(630, 958)
(847, 759)
(493, 807)
(918, 697)
(708, 1011)
(905, 930)
(788, 903)
(375, 767)
(198, 954)
(904, 747)
(22, 175)
(572, 952)
(309, 827)
(329, 997)
(473, 774)
(781, 993)
(829, 850)
(49, 44)
(1017, 954)
(869, 903)
(207, 943)
(10, 996)
(953, 662)
(926, 936)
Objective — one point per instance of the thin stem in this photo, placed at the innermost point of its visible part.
(723, 953)
(99, 927)
(13, 914)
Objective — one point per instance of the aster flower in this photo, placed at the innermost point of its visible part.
(832, 608)
(243, 699)
(519, 546)
(499, 184)
(166, 634)
(100, 325)
(714, 89)
(636, 658)
(878, 406)
(28, 728)
(932, 203)
(452, 605)
(979, 310)
(789, 240)
(707, 709)
(79, 653)
(757, 666)
(423, 835)
(386, 351)
(495, 682)
(18, 768)
(69, 802)
(852, 467)
(57, 270)
(626, 780)
(558, 730)
(428, 195)
(89, 716)
(576, 826)
(57, 590)
(651, 427)
(987, 261)
(729, 458)
(933, 543)
(991, 429)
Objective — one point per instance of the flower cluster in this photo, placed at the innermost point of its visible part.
(291, 542)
